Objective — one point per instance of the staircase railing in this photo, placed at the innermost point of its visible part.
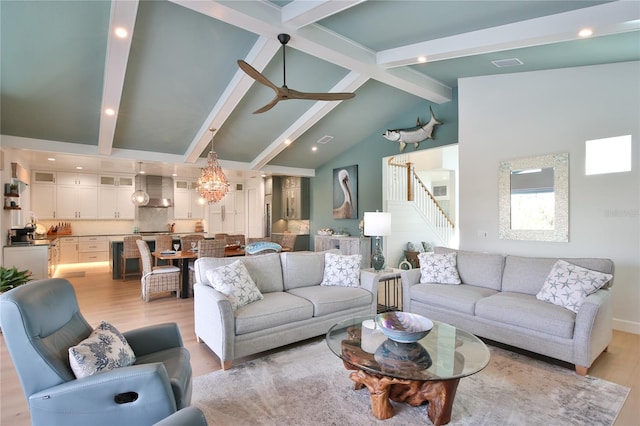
(405, 185)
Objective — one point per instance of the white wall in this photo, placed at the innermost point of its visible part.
(534, 113)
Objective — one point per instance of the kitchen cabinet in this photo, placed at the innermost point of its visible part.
(76, 196)
(68, 248)
(43, 194)
(347, 245)
(114, 197)
(33, 258)
(295, 197)
(187, 203)
(228, 215)
(93, 249)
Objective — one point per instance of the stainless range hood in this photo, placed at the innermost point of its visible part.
(154, 189)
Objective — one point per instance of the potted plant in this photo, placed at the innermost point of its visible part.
(12, 278)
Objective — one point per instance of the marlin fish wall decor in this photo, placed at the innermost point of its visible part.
(413, 135)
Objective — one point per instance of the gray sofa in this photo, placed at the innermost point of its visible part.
(497, 300)
(295, 306)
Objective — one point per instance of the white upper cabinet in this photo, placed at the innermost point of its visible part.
(76, 195)
(114, 197)
(187, 203)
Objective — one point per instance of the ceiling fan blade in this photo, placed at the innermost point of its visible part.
(337, 96)
(256, 75)
(268, 106)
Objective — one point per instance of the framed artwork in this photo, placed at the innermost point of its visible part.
(345, 192)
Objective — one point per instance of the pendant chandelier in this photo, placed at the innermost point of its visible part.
(212, 184)
(140, 197)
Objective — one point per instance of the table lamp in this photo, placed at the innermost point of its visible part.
(377, 224)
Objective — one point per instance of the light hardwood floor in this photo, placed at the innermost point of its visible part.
(119, 302)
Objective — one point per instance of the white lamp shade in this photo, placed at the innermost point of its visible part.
(377, 224)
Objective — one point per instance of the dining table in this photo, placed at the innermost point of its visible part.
(233, 251)
(183, 256)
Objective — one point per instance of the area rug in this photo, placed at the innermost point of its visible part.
(308, 385)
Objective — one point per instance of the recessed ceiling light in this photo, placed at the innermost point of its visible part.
(422, 59)
(585, 32)
(174, 174)
(109, 111)
(315, 148)
(79, 167)
(287, 141)
(121, 32)
(51, 159)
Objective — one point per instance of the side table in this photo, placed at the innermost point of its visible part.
(392, 292)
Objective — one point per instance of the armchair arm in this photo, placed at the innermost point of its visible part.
(155, 338)
(369, 281)
(188, 416)
(594, 327)
(145, 398)
(214, 321)
(409, 278)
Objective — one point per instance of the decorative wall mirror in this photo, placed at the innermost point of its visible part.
(534, 198)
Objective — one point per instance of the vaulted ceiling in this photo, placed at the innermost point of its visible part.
(174, 75)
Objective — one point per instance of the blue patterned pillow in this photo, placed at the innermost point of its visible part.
(567, 285)
(105, 349)
(233, 280)
(341, 270)
(439, 268)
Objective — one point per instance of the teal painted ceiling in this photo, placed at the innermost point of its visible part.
(174, 76)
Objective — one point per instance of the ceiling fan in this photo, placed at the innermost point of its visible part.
(283, 93)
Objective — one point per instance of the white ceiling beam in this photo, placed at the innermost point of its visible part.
(123, 15)
(603, 19)
(349, 83)
(259, 56)
(263, 18)
(300, 13)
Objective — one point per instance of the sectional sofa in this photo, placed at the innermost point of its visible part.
(497, 300)
(294, 306)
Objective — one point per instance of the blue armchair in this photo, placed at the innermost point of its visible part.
(41, 320)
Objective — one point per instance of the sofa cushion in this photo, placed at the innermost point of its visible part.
(265, 270)
(234, 281)
(277, 308)
(568, 285)
(479, 269)
(438, 268)
(527, 274)
(524, 310)
(105, 349)
(302, 268)
(341, 270)
(327, 300)
(460, 298)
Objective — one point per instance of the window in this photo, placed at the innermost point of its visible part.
(609, 155)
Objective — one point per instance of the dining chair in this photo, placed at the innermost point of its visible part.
(157, 279)
(221, 236)
(233, 239)
(163, 242)
(130, 251)
(258, 239)
(211, 248)
(186, 240)
(288, 242)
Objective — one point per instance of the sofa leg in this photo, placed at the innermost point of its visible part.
(582, 371)
(227, 364)
(198, 339)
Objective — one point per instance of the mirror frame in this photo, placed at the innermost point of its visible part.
(560, 164)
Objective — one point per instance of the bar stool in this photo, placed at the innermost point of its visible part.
(130, 251)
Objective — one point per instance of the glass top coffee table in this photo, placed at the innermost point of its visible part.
(426, 371)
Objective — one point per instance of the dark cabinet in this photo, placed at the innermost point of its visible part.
(293, 194)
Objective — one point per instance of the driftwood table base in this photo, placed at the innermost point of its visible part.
(438, 394)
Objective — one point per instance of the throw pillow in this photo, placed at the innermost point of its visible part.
(233, 280)
(439, 268)
(568, 285)
(105, 349)
(341, 270)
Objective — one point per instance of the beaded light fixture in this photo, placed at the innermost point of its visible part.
(212, 184)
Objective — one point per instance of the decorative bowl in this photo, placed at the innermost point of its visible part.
(325, 231)
(404, 327)
(394, 356)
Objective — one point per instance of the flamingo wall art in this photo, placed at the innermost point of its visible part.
(345, 192)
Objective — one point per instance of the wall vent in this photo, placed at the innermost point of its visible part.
(325, 139)
(501, 63)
